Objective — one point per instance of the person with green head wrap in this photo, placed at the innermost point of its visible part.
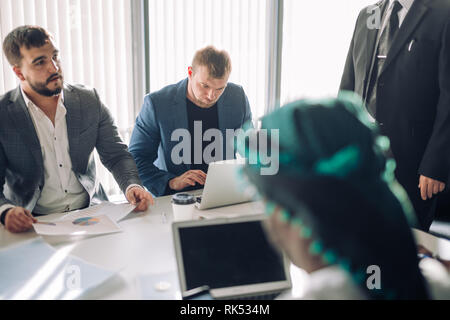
(334, 206)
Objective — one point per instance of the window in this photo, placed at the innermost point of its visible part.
(101, 46)
(94, 38)
(178, 28)
(316, 40)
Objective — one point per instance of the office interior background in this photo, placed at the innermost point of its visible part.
(281, 50)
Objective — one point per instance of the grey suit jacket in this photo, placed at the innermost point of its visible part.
(89, 126)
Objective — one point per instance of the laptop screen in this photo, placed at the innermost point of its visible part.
(228, 255)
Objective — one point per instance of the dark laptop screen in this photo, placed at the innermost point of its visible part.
(229, 255)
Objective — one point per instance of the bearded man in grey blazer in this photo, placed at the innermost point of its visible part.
(48, 132)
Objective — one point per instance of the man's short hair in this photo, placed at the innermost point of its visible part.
(218, 62)
(24, 36)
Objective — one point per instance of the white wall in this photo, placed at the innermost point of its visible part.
(316, 40)
(178, 28)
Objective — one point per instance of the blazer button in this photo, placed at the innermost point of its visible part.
(381, 84)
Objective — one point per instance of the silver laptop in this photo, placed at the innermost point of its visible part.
(231, 257)
(222, 186)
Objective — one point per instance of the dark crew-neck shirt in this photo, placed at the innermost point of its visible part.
(210, 120)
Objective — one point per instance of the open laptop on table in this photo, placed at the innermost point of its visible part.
(230, 257)
(222, 185)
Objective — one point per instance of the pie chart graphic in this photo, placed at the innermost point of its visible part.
(87, 221)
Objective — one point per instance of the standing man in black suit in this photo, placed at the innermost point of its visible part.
(402, 71)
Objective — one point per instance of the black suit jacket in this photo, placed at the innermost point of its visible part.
(413, 94)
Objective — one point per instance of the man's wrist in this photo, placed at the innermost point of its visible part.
(172, 184)
(134, 185)
(3, 215)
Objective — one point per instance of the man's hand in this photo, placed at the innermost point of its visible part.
(137, 195)
(429, 187)
(189, 178)
(18, 219)
(421, 249)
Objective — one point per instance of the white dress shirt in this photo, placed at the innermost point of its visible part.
(61, 191)
(406, 4)
(333, 283)
(329, 283)
(437, 278)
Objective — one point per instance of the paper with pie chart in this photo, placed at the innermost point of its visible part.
(79, 226)
(86, 221)
(115, 211)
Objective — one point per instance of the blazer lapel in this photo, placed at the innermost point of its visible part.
(179, 112)
(73, 120)
(228, 115)
(178, 109)
(371, 44)
(224, 115)
(372, 37)
(412, 19)
(24, 124)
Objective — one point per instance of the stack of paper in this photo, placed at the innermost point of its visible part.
(35, 271)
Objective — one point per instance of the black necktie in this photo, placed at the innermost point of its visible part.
(384, 45)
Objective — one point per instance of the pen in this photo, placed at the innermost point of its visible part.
(30, 216)
(46, 223)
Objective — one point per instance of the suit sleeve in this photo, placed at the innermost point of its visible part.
(113, 152)
(144, 145)
(436, 160)
(247, 111)
(4, 203)
(348, 76)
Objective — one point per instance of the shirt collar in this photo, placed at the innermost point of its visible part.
(406, 4)
(27, 100)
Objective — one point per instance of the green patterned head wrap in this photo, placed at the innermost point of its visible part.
(335, 183)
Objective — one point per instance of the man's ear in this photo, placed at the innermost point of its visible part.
(18, 73)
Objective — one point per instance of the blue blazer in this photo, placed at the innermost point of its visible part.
(165, 111)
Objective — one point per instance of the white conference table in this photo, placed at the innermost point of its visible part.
(145, 247)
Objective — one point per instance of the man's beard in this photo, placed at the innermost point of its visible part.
(42, 89)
